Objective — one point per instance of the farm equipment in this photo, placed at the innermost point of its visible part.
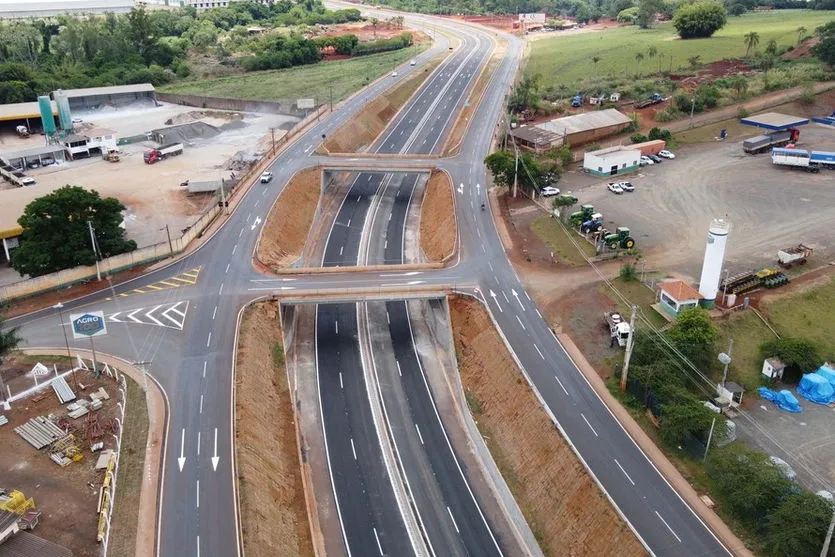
(795, 255)
(770, 278)
(762, 143)
(654, 99)
(618, 328)
(594, 224)
(579, 217)
(744, 283)
(620, 239)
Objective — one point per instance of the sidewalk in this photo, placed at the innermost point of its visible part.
(654, 454)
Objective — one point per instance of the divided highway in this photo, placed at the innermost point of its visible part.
(195, 365)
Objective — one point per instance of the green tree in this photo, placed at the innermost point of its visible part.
(646, 13)
(801, 34)
(639, 57)
(501, 165)
(562, 203)
(684, 416)
(799, 355)
(141, 32)
(798, 525)
(526, 93)
(9, 339)
(701, 19)
(771, 48)
(751, 40)
(652, 52)
(695, 61)
(740, 86)
(56, 235)
(693, 333)
(825, 49)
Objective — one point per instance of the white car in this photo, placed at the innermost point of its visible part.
(548, 191)
(626, 186)
(266, 177)
(393, 74)
(614, 187)
(28, 181)
(644, 161)
(666, 154)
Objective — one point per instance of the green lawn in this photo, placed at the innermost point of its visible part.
(567, 58)
(747, 332)
(637, 293)
(345, 76)
(549, 231)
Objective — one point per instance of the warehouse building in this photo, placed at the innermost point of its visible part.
(26, 114)
(93, 97)
(612, 161)
(580, 129)
(535, 138)
(42, 155)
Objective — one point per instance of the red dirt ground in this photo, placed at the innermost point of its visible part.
(802, 51)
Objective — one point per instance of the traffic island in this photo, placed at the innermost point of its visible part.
(563, 506)
(360, 132)
(438, 226)
(272, 502)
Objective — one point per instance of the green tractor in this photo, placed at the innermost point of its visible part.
(579, 217)
(620, 239)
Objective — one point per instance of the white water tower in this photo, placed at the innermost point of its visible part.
(717, 237)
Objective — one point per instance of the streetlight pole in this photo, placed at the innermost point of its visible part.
(95, 251)
(168, 233)
(59, 306)
(692, 109)
(725, 287)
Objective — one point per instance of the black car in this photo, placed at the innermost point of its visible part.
(655, 158)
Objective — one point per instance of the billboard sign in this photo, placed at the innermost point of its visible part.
(87, 325)
(532, 18)
(304, 103)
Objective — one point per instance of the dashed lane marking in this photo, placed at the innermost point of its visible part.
(187, 278)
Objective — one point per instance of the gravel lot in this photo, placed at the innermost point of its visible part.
(769, 207)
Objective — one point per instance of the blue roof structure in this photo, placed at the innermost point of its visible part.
(774, 121)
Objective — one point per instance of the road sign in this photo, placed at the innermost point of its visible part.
(88, 325)
(305, 103)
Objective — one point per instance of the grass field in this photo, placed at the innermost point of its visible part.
(314, 81)
(567, 58)
(549, 231)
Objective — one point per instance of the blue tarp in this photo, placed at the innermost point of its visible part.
(827, 373)
(785, 400)
(816, 388)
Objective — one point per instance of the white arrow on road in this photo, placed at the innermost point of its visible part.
(461, 188)
(215, 459)
(182, 460)
(516, 295)
(256, 223)
(496, 301)
(478, 188)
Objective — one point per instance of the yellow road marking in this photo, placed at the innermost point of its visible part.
(187, 278)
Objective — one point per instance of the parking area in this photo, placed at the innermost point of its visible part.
(673, 203)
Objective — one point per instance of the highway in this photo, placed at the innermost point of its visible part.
(194, 365)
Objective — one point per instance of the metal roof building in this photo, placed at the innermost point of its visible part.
(536, 138)
(24, 544)
(774, 121)
(23, 111)
(18, 159)
(114, 95)
(583, 128)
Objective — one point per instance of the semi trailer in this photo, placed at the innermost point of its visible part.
(765, 142)
(811, 161)
(160, 153)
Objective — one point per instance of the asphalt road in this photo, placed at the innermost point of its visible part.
(194, 365)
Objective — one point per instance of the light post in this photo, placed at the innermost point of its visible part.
(726, 360)
(59, 306)
(168, 233)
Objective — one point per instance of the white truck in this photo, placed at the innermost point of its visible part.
(795, 255)
(619, 329)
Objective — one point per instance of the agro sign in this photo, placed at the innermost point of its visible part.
(86, 325)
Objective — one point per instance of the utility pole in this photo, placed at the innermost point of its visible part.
(168, 233)
(709, 437)
(725, 287)
(516, 171)
(825, 550)
(223, 197)
(692, 109)
(272, 133)
(726, 360)
(630, 343)
(95, 251)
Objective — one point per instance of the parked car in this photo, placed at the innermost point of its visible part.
(393, 74)
(614, 187)
(655, 158)
(548, 191)
(28, 181)
(626, 186)
(644, 161)
(666, 154)
(266, 177)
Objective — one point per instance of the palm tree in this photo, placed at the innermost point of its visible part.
(801, 34)
(751, 39)
(740, 85)
(639, 58)
(374, 22)
(651, 52)
(8, 342)
(595, 59)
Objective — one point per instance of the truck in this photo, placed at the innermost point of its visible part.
(160, 153)
(810, 161)
(655, 98)
(577, 100)
(618, 328)
(795, 255)
(765, 142)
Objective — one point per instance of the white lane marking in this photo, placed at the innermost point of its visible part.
(209, 340)
(452, 518)
(419, 435)
(234, 249)
(527, 295)
(227, 267)
(257, 202)
(668, 526)
(241, 233)
(624, 472)
(561, 385)
(379, 547)
(482, 248)
(349, 223)
(386, 245)
(539, 314)
(588, 424)
(353, 448)
(400, 373)
(247, 217)
(491, 267)
(204, 368)
(390, 213)
(198, 546)
(219, 292)
(214, 313)
(538, 351)
(495, 301)
(388, 319)
(198, 494)
(341, 249)
(198, 443)
(182, 460)
(520, 323)
(336, 323)
(201, 404)
(341, 385)
(215, 458)
(506, 299)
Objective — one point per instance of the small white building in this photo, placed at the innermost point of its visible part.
(612, 161)
(773, 368)
(96, 140)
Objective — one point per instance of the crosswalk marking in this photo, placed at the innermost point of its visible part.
(186, 278)
(172, 317)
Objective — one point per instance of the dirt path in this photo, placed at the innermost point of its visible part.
(563, 506)
(273, 509)
(438, 231)
(285, 232)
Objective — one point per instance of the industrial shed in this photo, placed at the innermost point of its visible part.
(23, 113)
(115, 95)
(44, 154)
(535, 138)
(612, 161)
(588, 127)
(22, 10)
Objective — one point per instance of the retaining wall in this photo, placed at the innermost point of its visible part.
(287, 107)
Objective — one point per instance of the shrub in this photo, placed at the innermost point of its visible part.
(660, 133)
(628, 272)
(808, 94)
(702, 19)
(593, 147)
(669, 114)
(628, 15)
(638, 138)
(742, 113)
